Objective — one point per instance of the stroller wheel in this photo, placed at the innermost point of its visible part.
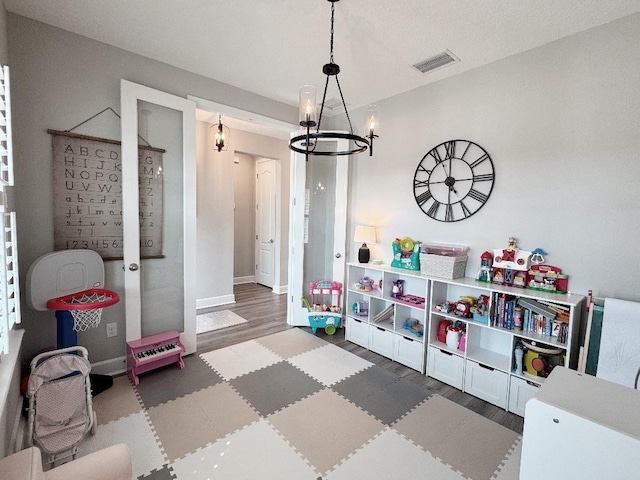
(94, 427)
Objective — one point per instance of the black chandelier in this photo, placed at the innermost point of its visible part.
(307, 142)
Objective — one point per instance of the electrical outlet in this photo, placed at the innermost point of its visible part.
(112, 330)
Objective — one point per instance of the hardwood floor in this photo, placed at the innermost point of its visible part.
(266, 313)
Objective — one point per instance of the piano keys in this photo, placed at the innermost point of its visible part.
(155, 351)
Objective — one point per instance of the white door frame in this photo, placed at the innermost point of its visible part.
(255, 118)
(296, 313)
(130, 93)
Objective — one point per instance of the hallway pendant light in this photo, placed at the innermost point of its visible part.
(307, 142)
(221, 135)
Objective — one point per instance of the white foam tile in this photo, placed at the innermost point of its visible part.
(256, 451)
(135, 431)
(390, 455)
(329, 364)
(236, 360)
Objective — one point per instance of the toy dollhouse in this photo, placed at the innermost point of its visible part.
(511, 265)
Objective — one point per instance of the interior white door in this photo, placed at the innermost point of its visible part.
(318, 222)
(265, 221)
(159, 291)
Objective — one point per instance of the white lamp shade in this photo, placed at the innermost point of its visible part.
(365, 234)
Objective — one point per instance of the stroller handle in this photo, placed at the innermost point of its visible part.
(83, 351)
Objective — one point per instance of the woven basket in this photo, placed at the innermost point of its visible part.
(442, 267)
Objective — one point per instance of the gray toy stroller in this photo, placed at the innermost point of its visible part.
(60, 404)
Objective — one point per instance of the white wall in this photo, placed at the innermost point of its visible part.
(562, 125)
(10, 366)
(60, 79)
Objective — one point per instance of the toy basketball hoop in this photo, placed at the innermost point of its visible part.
(85, 306)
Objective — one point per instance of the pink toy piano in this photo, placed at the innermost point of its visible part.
(153, 352)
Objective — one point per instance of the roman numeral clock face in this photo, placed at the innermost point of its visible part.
(453, 181)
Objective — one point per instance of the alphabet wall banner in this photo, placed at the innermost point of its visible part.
(87, 195)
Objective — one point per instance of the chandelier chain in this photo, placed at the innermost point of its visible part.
(331, 45)
(345, 105)
(324, 97)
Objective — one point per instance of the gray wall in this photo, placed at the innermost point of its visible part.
(60, 79)
(244, 218)
(4, 51)
(561, 123)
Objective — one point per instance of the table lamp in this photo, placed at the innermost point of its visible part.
(365, 235)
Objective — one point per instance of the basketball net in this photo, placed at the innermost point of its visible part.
(86, 319)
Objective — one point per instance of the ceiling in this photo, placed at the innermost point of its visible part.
(272, 47)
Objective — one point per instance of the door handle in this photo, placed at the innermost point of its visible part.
(133, 267)
(338, 255)
(271, 241)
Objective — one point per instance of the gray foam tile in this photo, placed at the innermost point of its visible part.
(170, 382)
(274, 387)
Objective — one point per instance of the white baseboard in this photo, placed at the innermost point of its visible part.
(215, 301)
(280, 289)
(247, 279)
(111, 367)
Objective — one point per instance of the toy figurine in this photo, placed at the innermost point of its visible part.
(486, 260)
(463, 307)
(537, 256)
(397, 289)
(406, 254)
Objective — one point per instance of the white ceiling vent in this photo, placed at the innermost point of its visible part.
(334, 104)
(437, 61)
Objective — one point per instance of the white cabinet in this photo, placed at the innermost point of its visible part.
(386, 312)
(486, 382)
(485, 365)
(446, 367)
(408, 351)
(381, 340)
(357, 331)
(579, 426)
(520, 392)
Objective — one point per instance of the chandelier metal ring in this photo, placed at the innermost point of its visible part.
(329, 136)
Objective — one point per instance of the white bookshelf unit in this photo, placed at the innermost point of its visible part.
(367, 324)
(486, 367)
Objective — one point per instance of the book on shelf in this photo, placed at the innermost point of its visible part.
(537, 318)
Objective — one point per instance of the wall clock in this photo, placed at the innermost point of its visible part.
(453, 180)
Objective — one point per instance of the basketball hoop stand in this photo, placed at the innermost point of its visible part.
(66, 336)
(69, 282)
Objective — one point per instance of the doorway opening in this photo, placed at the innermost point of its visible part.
(255, 176)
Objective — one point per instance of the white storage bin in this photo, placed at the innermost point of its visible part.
(446, 367)
(442, 266)
(357, 332)
(486, 383)
(381, 341)
(409, 352)
(520, 392)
